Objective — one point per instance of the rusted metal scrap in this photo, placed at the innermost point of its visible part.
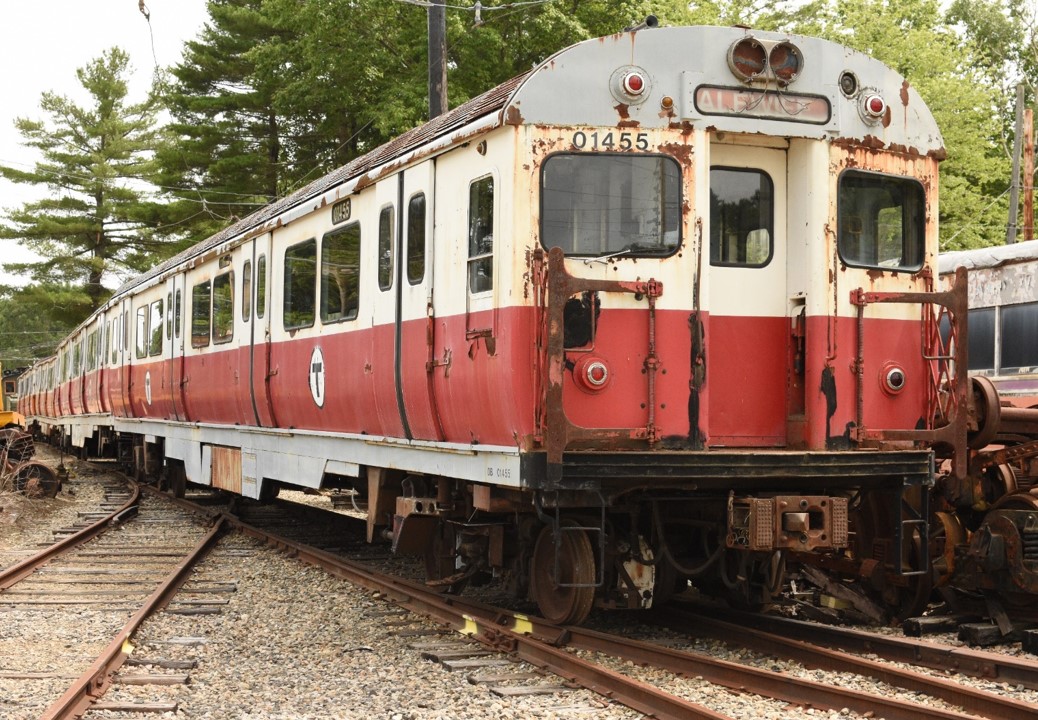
(18, 470)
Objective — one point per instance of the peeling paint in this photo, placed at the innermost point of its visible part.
(513, 116)
(904, 93)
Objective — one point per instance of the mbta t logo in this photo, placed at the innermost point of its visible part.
(317, 376)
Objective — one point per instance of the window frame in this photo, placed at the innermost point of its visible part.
(155, 332)
(386, 217)
(417, 280)
(142, 337)
(631, 254)
(222, 338)
(908, 179)
(471, 259)
(717, 262)
(333, 235)
(285, 296)
(201, 340)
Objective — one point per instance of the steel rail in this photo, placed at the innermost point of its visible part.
(973, 700)
(974, 663)
(95, 681)
(19, 571)
(538, 642)
(633, 693)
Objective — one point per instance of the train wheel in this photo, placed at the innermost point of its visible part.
(565, 598)
(872, 523)
(36, 480)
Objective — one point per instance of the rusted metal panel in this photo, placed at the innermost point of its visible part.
(227, 469)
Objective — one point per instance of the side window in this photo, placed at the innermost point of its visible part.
(385, 248)
(261, 285)
(156, 328)
(176, 316)
(223, 307)
(881, 221)
(169, 316)
(1019, 337)
(300, 284)
(201, 297)
(91, 358)
(246, 291)
(416, 239)
(108, 342)
(981, 352)
(142, 332)
(340, 274)
(481, 235)
(742, 217)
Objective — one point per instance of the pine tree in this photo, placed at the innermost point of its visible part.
(222, 153)
(92, 225)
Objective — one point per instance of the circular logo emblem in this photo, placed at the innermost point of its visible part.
(317, 376)
(147, 386)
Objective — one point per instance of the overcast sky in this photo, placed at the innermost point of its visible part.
(45, 42)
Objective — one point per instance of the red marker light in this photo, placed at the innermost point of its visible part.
(875, 106)
(633, 83)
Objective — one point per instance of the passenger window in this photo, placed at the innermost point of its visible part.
(108, 352)
(340, 274)
(156, 328)
(481, 235)
(385, 248)
(300, 285)
(246, 291)
(1019, 337)
(611, 204)
(742, 217)
(261, 285)
(416, 239)
(169, 316)
(176, 319)
(881, 220)
(142, 332)
(201, 299)
(981, 351)
(223, 307)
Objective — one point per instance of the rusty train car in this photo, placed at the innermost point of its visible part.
(664, 308)
(991, 546)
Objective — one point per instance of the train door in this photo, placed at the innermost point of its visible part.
(747, 337)
(175, 335)
(260, 250)
(416, 327)
(126, 355)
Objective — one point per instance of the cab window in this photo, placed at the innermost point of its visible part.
(742, 217)
(881, 220)
(597, 205)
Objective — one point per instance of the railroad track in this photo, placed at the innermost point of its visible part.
(124, 563)
(544, 646)
(488, 640)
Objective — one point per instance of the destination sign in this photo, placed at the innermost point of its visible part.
(763, 104)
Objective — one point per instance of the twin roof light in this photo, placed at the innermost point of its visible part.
(751, 59)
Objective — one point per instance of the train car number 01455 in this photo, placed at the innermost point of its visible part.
(610, 140)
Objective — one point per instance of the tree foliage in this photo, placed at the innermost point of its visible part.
(93, 223)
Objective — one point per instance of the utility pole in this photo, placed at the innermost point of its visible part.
(1014, 188)
(437, 58)
(1029, 174)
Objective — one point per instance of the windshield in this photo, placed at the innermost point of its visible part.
(611, 204)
